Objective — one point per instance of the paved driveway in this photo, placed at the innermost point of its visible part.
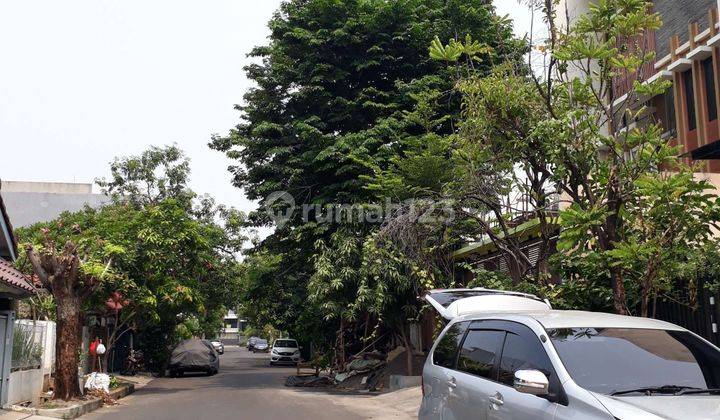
(246, 388)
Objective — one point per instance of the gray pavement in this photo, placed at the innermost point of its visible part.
(246, 388)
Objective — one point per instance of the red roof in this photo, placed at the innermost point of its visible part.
(14, 278)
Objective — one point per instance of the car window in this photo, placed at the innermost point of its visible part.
(479, 352)
(286, 343)
(446, 350)
(524, 352)
(608, 360)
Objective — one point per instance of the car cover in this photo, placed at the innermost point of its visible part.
(194, 353)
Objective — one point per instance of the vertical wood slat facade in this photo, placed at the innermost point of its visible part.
(695, 91)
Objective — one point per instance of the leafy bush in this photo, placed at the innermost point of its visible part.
(26, 352)
(588, 294)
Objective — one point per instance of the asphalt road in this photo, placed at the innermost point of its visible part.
(246, 388)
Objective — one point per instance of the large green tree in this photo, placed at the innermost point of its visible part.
(335, 101)
(633, 213)
(153, 258)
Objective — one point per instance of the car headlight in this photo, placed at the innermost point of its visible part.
(275, 351)
(297, 352)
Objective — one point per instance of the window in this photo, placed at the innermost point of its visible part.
(525, 353)
(689, 100)
(709, 74)
(669, 97)
(479, 352)
(292, 344)
(446, 350)
(608, 360)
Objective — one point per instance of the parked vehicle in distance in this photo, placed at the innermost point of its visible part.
(510, 356)
(261, 346)
(219, 346)
(194, 355)
(251, 342)
(285, 350)
(134, 362)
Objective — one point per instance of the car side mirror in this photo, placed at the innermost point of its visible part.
(299, 347)
(531, 382)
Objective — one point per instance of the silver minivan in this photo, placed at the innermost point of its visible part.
(509, 356)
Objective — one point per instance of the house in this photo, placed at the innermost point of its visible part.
(687, 50)
(13, 286)
(688, 55)
(233, 326)
(33, 202)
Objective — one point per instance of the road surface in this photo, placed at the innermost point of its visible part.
(246, 388)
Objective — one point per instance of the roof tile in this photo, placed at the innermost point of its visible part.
(11, 276)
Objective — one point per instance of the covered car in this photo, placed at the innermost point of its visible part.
(194, 355)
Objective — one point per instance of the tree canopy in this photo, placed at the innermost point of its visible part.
(158, 260)
(343, 90)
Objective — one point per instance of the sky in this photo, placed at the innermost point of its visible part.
(84, 81)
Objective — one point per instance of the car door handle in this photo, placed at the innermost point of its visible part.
(452, 383)
(496, 400)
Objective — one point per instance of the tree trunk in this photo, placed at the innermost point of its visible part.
(67, 386)
(341, 349)
(408, 350)
(618, 288)
(58, 271)
(648, 285)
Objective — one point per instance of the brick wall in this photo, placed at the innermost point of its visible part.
(676, 15)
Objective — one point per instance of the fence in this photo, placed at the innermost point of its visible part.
(28, 346)
(699, 314)
(32, 359)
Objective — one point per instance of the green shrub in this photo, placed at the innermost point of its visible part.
(26, 353)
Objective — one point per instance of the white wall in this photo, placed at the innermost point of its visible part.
(27, 385)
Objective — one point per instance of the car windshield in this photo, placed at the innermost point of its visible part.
(286, 343)
(261, 342)
(618, 360)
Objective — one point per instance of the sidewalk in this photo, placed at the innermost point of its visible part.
(139, 381)
(397, 405)
(13, 415)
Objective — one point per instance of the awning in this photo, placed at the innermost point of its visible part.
(707, 152)
(13, 282)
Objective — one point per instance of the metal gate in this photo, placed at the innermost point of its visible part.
(699, 313)
(6, 344)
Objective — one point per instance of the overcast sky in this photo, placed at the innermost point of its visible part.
(83, 81)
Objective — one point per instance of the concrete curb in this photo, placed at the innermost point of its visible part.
(401, 382)
(75, 410)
